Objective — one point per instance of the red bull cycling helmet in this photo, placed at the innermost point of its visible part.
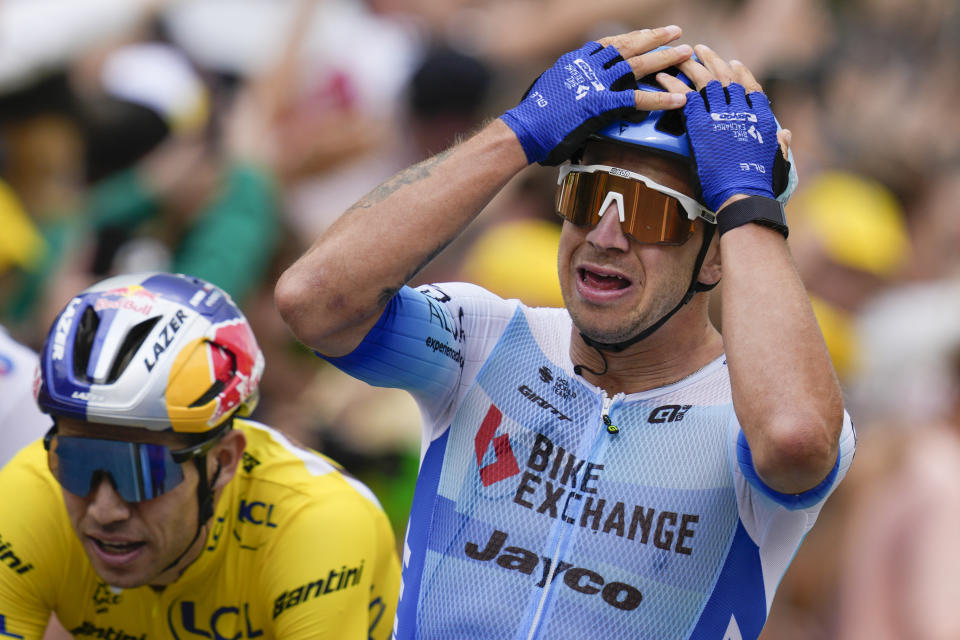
(157, 351)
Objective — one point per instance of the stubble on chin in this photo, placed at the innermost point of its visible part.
(600, 324)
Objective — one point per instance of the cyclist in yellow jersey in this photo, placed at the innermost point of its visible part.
(151, 510)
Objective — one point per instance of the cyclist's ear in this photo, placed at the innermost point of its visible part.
(226, 454)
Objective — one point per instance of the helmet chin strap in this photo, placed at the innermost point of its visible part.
(204, 505)
(695, 287)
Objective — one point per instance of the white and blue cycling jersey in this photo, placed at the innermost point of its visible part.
(546, 509)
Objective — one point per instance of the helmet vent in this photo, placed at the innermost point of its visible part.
(651, 81)
(211, 393)
(131, 344)
(671, 122)
(83, 343)
(224, 372)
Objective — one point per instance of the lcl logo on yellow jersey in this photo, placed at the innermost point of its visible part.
(256, 513)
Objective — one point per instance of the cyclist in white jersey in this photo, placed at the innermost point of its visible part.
(21, 422)
(617, 468)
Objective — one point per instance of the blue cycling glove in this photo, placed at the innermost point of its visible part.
(581, 93)
(733, 137)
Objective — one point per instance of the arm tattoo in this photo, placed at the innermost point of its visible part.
(413, 174)
(408, 176)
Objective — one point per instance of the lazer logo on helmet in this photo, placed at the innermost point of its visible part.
(63, 329)
(165, 339)
(87, 396)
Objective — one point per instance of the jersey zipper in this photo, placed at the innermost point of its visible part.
(598, 447)
(605, 414)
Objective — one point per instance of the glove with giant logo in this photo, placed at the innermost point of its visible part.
(582, 92)
(733, 137)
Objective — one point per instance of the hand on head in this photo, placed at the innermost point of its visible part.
(591, 87)
(736, 141)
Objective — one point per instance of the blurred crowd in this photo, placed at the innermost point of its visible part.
(218, 138)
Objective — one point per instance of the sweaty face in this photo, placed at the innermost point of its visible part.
(614, 287)
(130, 544)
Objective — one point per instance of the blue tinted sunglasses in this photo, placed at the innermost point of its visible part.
(138, 471)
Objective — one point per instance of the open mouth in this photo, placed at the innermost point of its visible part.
(601, 281)
(117, 548)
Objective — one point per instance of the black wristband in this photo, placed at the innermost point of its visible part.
(757, 209)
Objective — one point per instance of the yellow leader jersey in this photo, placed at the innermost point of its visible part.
(296, 549)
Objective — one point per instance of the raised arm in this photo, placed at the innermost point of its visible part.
(336, 291)
(785, 392)
(333, 294)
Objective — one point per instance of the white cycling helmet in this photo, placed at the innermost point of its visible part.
(153, 350)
